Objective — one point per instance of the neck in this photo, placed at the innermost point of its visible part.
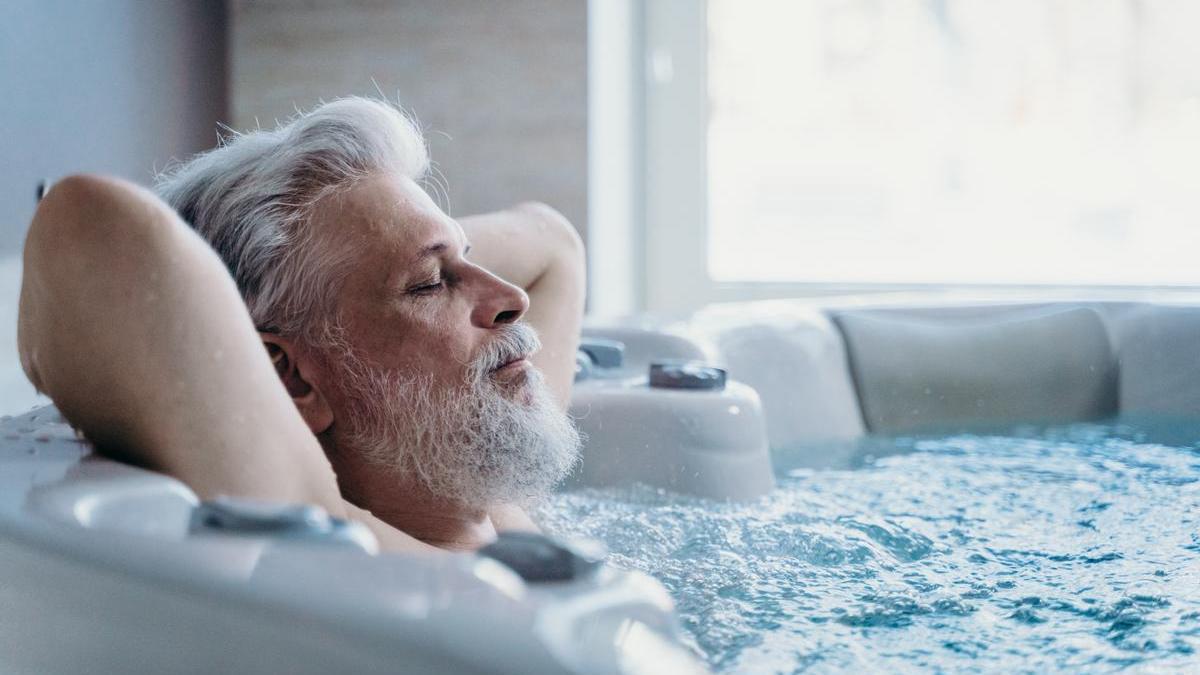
(404, 503)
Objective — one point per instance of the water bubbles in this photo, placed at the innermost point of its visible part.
(1066, 548)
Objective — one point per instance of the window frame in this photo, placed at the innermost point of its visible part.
(670, 40)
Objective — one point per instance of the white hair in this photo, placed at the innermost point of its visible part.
(252, 199)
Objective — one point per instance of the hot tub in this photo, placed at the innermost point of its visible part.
(972, 485)
(104, 570)
(111, 568)
(828, 375)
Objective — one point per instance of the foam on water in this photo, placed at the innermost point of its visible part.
(1079, 548)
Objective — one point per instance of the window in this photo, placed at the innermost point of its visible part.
(1025, 142)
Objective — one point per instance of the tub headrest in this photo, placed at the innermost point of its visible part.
(983, 367)
(1159, 350)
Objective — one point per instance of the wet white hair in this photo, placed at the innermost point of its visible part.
(253, 196)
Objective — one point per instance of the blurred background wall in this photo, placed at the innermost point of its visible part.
(500, 88)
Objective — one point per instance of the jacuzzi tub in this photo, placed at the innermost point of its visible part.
(102, 573)
(962, 486)
(828, 375)
(106, 570)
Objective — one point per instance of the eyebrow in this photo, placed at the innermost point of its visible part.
(432, 250)
(437, 249)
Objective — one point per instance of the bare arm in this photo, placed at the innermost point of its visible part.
(132, 325)
(533, 246)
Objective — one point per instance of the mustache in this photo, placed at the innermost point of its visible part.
(514, 341)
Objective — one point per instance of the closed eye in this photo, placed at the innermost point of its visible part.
(428, 287)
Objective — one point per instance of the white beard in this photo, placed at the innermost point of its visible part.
(472, 444)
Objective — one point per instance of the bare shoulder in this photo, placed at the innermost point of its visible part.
(390, 539)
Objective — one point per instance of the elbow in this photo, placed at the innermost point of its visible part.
(90, 231)
(84, 214)
(60, 216)
(53, 244)
(554, 228)
(86, 238)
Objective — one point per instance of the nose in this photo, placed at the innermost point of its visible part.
(498, 302)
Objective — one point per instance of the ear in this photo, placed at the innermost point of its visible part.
(296, 374)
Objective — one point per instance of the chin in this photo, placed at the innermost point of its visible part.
(521, 387)
(523, 393)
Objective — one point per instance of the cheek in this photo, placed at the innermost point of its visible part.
(428, 338)
(438, 347)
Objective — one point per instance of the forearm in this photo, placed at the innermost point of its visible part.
(534, 247)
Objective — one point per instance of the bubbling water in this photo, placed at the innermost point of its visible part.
(1077, 548)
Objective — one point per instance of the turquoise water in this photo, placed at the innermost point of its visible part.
(1078, 548)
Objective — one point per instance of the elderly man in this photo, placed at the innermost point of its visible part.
(402, 384)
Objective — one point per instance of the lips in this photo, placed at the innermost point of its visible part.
(506, 355)
(513, 362)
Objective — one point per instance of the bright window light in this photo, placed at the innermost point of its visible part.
(954, 142)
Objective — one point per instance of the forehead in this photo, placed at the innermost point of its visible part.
(387, 213)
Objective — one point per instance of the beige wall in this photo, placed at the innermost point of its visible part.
(499, 86)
